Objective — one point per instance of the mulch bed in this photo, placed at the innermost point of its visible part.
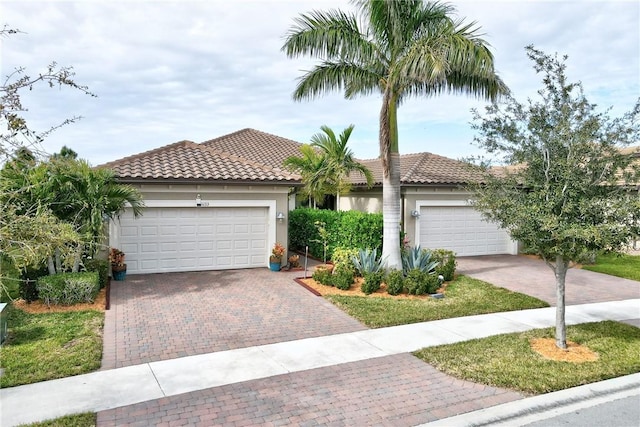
(38, 306)
(321, 290)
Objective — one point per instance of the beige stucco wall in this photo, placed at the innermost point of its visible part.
(363, 201)
(219, 195)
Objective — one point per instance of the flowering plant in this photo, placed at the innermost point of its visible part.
(277, 252)
(116, 257)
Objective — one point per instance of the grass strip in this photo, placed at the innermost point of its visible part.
(615, 264)
(47, 346)
(465, 296)
(508, 361)
(87, 419)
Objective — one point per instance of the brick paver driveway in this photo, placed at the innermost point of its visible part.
(163, 316)
(532, 277)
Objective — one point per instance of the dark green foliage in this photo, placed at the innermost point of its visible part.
(9, 280)
(446, 263)
(346, 229)
(395, 282)
(322, 276)
(28, 288)
(68, 288)
(372, 282)
(342, 277)
(100, 266)
(420, 283)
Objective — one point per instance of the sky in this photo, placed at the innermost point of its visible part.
(166, 71)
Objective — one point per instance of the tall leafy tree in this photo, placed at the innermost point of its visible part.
(339, 162)
(573, 191)
(398, 49)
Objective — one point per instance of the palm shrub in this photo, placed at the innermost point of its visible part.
(446, 263)
(372, 282)
(418, 259)
(367, 261)
(395, 282)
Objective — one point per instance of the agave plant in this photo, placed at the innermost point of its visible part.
(417, 258)
(367, 261)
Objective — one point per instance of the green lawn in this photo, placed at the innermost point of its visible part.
(621, 265)
(47, 346)
(87, 419)
(464, 297)
(508, 360)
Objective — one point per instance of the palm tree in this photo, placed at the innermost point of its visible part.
(400, 49)
(339, 159)
(311, 166)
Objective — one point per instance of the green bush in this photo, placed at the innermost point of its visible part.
(68, 288)
(342, 257)
(342, 277)
(9, 280)
(322, 276)
(346, 229)
(395, 282)
(419, 282)
(28, 287)
(372, 282)
(100, 266)
(446, 263)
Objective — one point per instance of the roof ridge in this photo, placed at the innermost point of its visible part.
(421, 159)
(247, 130)
(184, 142)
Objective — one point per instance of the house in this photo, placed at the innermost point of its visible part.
(224, 203)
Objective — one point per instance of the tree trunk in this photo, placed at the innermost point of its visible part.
(561, 275)
(50, 265)
(390, 157)
(338, 200)
(58, 261)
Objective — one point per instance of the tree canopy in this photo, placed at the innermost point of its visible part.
(568, 189)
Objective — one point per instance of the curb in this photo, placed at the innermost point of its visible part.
(531, 409)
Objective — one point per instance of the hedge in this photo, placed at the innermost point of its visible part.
(346, 229)
(68, 288)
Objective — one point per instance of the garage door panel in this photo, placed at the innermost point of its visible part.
(191, 239)
(462, 230)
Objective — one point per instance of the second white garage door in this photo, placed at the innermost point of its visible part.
(194, 239)
(462, 230)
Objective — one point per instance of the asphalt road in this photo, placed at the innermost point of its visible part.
(617, 413)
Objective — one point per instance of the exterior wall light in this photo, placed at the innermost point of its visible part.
(415, 214)
(280, 216)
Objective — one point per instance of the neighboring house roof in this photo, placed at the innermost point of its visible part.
(188, 161)
(422, 169)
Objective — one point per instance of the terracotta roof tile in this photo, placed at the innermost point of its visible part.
(423, 168)
(187, 160)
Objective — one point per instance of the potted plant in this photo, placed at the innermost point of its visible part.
(118, 266)
(275, 260)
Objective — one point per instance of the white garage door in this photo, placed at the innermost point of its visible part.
(194, 239)
(462, 230)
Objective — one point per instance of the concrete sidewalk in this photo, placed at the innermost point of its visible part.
(129, 385)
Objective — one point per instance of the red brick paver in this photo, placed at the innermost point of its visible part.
(397, 390)
(163, 316)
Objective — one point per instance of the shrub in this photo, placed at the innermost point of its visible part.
(419, 283)
(372, 282)
(367, 261)
(416, 258)
(322, 276)
(446, 263)
(342, 277)
(99, 266)
(30, 276)
(68, 288)
(395, 282)
(343, 257)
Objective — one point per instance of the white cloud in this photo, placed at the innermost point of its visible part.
(166, 71)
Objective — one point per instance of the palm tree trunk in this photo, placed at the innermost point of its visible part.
(561, 327)
(50, 265)
(391, 180)
(58, 261)
(338, 200)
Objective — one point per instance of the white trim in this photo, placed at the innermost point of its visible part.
(272, 223)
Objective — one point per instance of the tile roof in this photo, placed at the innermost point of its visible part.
(422, 168)
(186, 160)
